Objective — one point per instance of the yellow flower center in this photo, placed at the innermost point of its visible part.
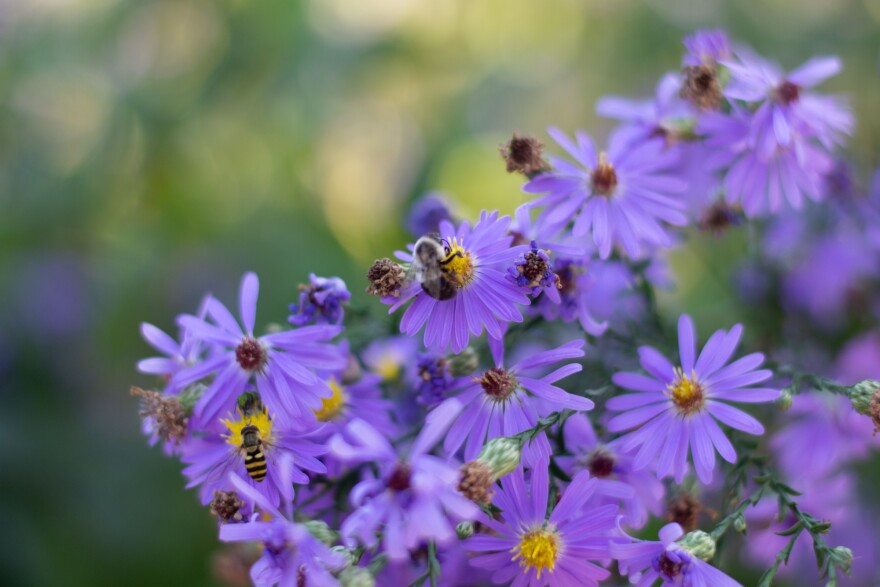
(687, 392)
(332, 406)
(537, 549)
(388, 368)
(458, 264)
(258, 417)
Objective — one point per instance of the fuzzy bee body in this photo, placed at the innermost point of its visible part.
(430, 258)
(254, 459)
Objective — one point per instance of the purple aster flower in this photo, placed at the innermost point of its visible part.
(826, 280)
(846, 436)
(178, 355)
(556, 550)
(479, 258)
(639, 491)
(533, 273)
(759, 181)
(506, 401)
(668, 560)
(786, 108)
(621, 197)
(576, 281)
(357, 399)
(706, 46)
(666, 115)
(433, 378)
(413, 498)
(320, 302)
(282, 364)
(288, 451)
(390, 357)
(290, 555)
(426, 214)
(677, 407)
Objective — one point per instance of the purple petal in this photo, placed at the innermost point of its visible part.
(687, 343)
(735, 418)
(815, 70)
(250, 290)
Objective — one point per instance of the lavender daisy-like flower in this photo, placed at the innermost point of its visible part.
(413, 498)
(178, 355)
(576, 281)
(282, 364)
(358, 399)
(706, 46)
(250, 443)
(477, 264)
(622, 196)
(527, 547)
(290, 555)
(533, 273)
(504, 401)
(759, 181)
(639, 491)
(320, 302)
(677, 407)
(787, 108)
(672, 560)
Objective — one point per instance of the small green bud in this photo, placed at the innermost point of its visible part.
(862, 394)
(699, 544)
(464, 363)
(842, 558)
(783, 402)
(321, 531)
(739, 524)
(502, 455)
(351, 557)
(275, 328)
(356, 577)
(464, 530)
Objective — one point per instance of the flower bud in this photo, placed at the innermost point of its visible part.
(464, 363)
(862, 394)
(350, 556)
(739, 524)
(321, 531)
(865, 399)
(356, 577)
(464, 530)
(502, 455)
(783, 402)
(842, 557)
(699, 544)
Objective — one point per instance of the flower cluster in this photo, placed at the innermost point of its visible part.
(537, 408)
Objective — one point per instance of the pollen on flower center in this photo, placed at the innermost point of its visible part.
(458, 264)
(687, 392)
(533, 268)
(332, 406)
(787, 93)
(258, 417)
(603, 180)
(498, 383)
(537, 549)
(251, 355)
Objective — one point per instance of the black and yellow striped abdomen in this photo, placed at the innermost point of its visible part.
(255, 463)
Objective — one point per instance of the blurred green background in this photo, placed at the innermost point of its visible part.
(153, 150)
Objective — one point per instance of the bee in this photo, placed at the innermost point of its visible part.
(431, 257)
(254, 459)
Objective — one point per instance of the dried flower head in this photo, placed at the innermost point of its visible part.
(684, 510)
(227, 506)
(386, 278)
(476, 482)
(168, 416)
(523, 154)
(701, 86)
